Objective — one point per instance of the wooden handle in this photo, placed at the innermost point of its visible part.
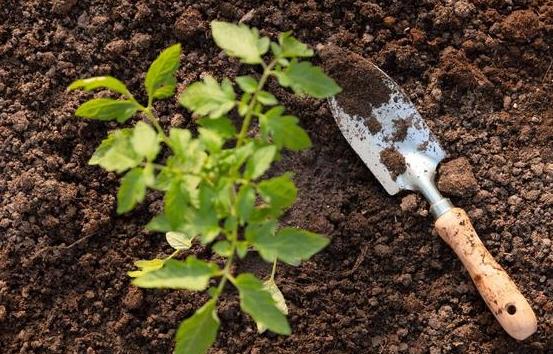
(496, 287)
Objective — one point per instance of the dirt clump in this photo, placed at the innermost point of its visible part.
(520, 25)
(401, 126)
(373, 125)
(394, 161)
(457, 179)
(189, 24)
(362, 83)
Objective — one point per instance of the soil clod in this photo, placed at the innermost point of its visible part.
(394, 161)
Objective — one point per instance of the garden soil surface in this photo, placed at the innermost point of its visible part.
(479, 71)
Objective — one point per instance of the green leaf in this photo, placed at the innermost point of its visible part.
(106, 82)
(198, 332)
(179, 140)
(247, 83)
(240, 41)
(242, 248)
(305, 78)
(160, 79)
(289, 245)
(211, 140)
(258, 303)
(159, 223)
(245, 203)
(192, 274)
(280, 192)
(266, 98)
(205, 220)
(208, 98)
(146, 266)
(107, 109)
(115, 153)
(222, 248)
(179, 240)
(145, 141)
(132, 190)
(260, 161)
(260, 229)
(276, 294)
(176, 203)
(222, 126)
(292, 48)
(284, 130)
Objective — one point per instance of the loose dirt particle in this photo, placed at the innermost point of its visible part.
(394, 161)
(133, 299)
(401, 126)
(409, 202)
(373, 125)
(362, 83)
(456, 178)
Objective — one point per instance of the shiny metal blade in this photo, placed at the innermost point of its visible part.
(392, 139)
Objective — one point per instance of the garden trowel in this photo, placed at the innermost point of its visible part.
(384, 128)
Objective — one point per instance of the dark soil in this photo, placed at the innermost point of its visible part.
(362, 83)
(480, 73)
(394, 161)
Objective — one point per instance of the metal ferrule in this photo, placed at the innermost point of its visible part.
(438, 204)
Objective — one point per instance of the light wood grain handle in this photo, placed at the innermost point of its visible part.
(496, 287)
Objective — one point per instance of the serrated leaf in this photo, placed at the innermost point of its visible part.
(132, 190)
(305, 78)
(266, 98)
(104, 82)
(245, 203)
(289, 245)
(292, 48)
(284, 130)
(198, 332)
(209, 98)
(222, 126)
(211, 140)
(146, 266)
(179, 139)
(280, 192)
(115, 153)
(160, 79)
(260, 161)
(159, 223)
(276, 294)
(107, 109)
(176, 202)
(179, 240)
(256, 301)
(255, 230)
(222, 248)
(145, 141)
(191, 274)
(247, 83)
(240, 41)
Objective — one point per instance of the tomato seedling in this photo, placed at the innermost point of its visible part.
(213, 182)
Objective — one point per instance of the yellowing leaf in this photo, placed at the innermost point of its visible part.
(277, 296)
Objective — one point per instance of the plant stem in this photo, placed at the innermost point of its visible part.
(155, 121)
(274, 270)
(249, 113)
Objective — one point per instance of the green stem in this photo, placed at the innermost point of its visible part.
(249, 113)
(155, 122)
(274, 270)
